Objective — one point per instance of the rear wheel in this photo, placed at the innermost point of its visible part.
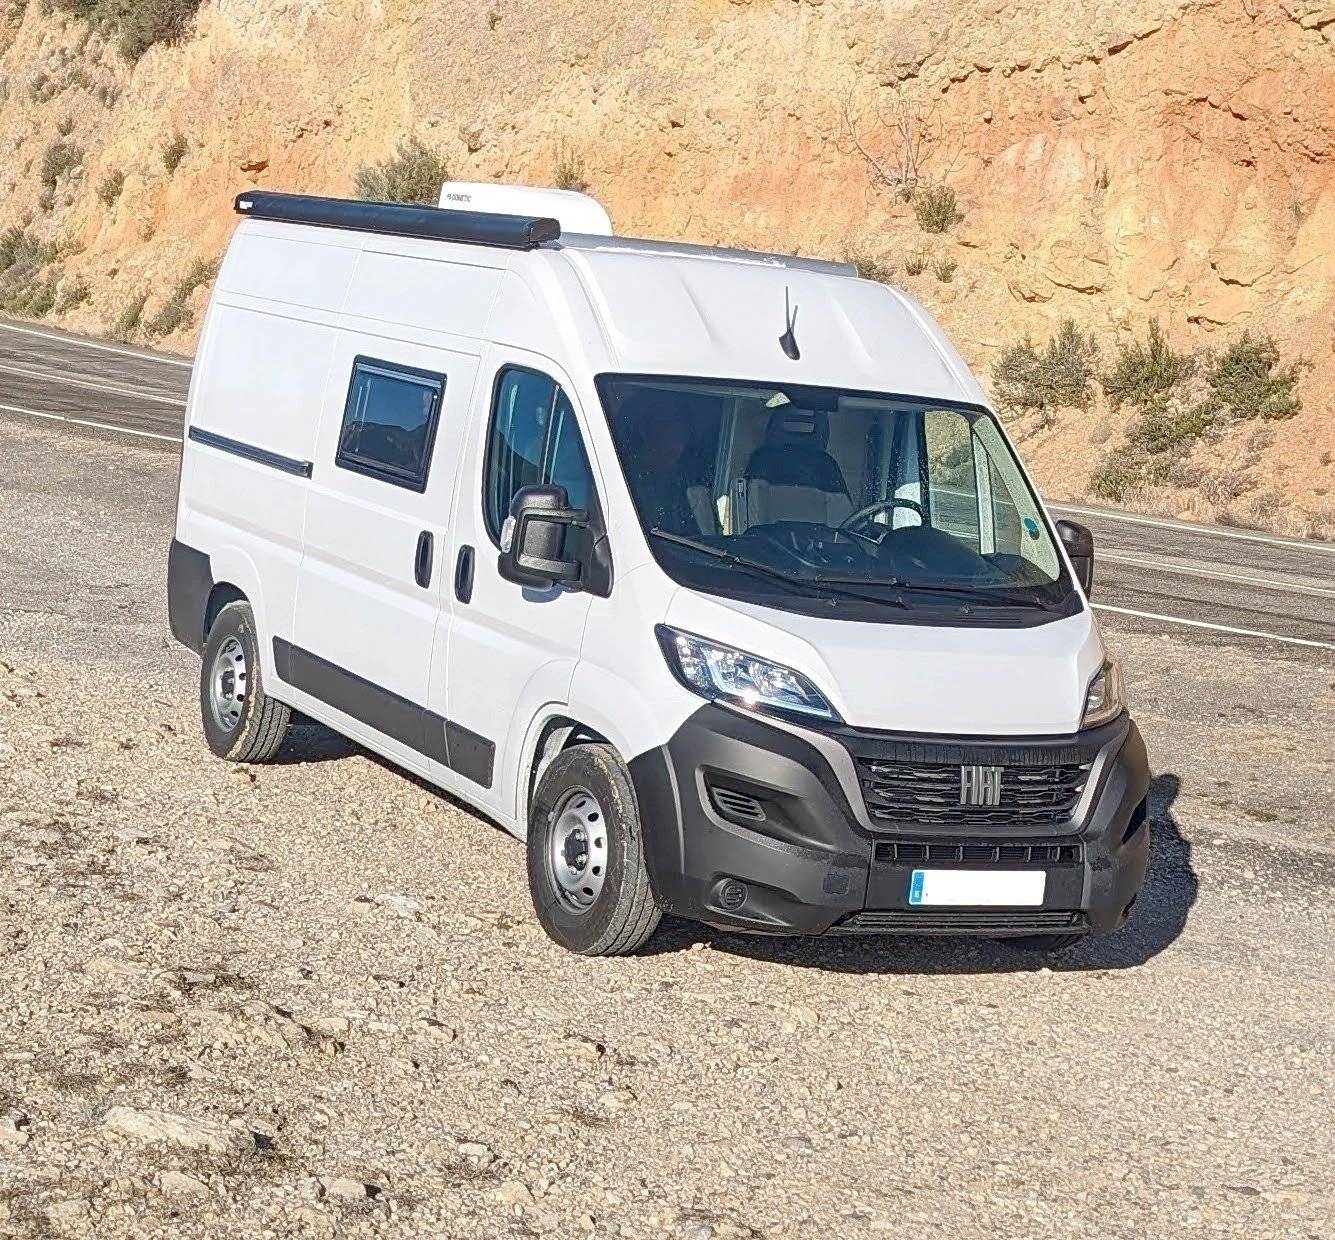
(242, 723)
(586, 868)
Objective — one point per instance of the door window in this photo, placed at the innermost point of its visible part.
(534, 441)
(389, 422)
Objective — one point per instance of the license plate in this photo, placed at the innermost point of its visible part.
(978, 888)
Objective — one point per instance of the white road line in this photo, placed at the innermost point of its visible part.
(1216, 628)
(101, 426)
(88, 383)
(1163, 566)
(101, 348)
(1208, 531)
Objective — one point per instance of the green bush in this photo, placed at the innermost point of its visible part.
(569, 171)
(73, 295)
(1162, 428)
(944, 269)
(128, 322)
(110, 187)
(1144, 371)
(27, 289)
(934, 205)
(1247, 380)
(173, 152)
(176, 312)
(916, 263)
(1056, 376)
(19, 248)
(1116, 477)
(869, 268)
(135, 25)
(414, 173)
(61, 157)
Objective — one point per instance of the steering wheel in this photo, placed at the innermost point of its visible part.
(870, 510)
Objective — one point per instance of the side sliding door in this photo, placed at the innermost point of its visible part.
(369, 593)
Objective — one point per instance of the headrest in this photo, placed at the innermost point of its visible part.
(801, 427)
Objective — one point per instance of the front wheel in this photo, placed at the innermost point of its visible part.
(586, 868)
(242, 723)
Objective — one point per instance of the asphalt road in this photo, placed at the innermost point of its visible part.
(1215, 584)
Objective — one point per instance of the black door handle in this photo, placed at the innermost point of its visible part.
(422, 563)
(463, 575)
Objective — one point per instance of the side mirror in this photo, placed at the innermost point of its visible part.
(1079, 544)
(534, 535)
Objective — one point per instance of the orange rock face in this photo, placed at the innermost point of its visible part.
(1112, 162)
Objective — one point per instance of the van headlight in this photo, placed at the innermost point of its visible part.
(1105, 698)
(721, 673)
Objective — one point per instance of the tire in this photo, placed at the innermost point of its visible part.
(1047, 943)
(604, 906)
(242, 723)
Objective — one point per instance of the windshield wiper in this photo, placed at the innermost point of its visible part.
(792, 580)
(971, 594)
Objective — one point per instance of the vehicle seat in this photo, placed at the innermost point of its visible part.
(791, 477)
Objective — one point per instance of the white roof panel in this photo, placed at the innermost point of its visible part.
(722, 316)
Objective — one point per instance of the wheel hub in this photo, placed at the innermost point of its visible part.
(227, 684)
(578, 850)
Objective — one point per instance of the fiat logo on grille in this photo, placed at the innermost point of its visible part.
(980, 785)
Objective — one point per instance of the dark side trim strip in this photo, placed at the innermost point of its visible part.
(248, 452)
(430, 734)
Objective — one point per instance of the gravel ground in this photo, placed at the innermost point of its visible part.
(312, 998)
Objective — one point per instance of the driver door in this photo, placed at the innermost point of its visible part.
(512, 648)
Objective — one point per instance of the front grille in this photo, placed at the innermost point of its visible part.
(981, 852)
(938, 921)
(922, 794)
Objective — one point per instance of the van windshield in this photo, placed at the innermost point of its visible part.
(783, 493)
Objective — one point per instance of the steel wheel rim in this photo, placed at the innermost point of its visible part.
(228, 682)
(577, 850)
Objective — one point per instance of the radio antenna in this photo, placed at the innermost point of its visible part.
(788, 341)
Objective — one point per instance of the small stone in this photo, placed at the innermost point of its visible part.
(331, 1026)
(178, 1184)
(183, 1130)
(514, 1193)
(343, 1188)
(437, 1029)
(400, 905)
(13, 1129)
(475, 1150)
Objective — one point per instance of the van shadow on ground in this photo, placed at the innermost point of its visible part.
(1157, 921)
(1159, 917)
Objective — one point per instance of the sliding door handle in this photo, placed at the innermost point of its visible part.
(422, 563)
(463, 575)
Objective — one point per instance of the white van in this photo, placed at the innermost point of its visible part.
(711, 574)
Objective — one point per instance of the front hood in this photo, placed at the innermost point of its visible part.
(917, 678)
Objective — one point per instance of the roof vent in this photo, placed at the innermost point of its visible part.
(577, 213)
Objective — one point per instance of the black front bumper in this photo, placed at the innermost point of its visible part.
(810, 861)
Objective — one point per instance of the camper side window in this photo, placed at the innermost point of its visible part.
(534, 441)
(389, 422)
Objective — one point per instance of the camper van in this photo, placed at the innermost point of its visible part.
(710, 575)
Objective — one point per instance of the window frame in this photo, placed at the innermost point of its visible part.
(558, 390)
(368, 467)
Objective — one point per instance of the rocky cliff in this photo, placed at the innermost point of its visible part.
(1112, 163)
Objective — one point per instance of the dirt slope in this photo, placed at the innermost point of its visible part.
(1113, 162)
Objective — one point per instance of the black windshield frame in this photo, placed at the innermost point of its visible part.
(929, 603)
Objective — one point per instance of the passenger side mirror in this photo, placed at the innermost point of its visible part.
(1079, 544)
(534, 536)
